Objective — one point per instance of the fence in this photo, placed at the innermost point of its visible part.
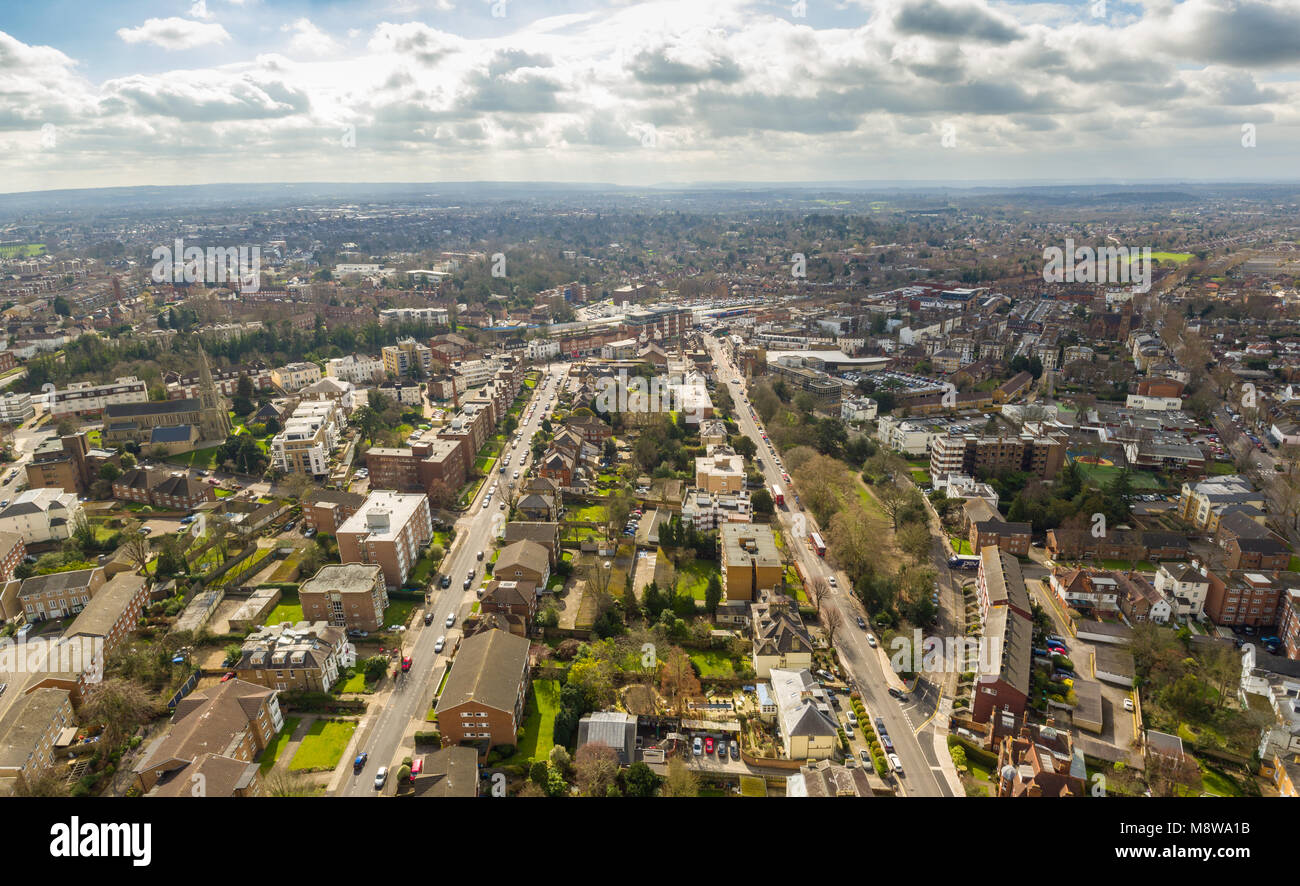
(186, 688)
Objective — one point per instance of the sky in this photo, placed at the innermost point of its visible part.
(167, 92)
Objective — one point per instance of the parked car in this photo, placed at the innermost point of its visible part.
(468, 582)
(428, 618)
(871, 640)
(697, 746)
(1128, 704)
(862, 623)
(358, 634)
(480, 555)
(406, 663)
(451, 619)
(446, 581)
(898, 693)
(708, 744)
(440, 645)
(896, 764)
(360, 762)
(734, 748)
(886, 742)
(381, 777)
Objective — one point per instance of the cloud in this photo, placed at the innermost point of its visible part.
(174, 33)
(310, 40)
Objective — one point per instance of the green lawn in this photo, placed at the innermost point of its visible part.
(199, 458)
(587, 514)
(1101, 475)
(288, 609)
(323, 745)
(271, 754)
(399, 611)
(422, 572)
(539, 724)
(354, 683)
(961, 545)
(713, 663)
(693, 577)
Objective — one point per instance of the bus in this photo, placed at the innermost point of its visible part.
(964, 561)
(778, 497)
(818, 545)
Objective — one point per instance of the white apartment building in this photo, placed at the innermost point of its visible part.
(309, 436)
(40, 515)
(359, 369)
(296, 376)
(16, 408)
(475, 373)
(434, 316)
(80, 398)
(858, 409)
(543, 349)
(1185, 586)
(905, 436)
(707, 511)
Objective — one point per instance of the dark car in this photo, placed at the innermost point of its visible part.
(862, 623)
(428, 618)
(897, 693)
(446, 581)
(734, 748)
(360, 762)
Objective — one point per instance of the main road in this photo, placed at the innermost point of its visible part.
(384, 725)
(907, 722)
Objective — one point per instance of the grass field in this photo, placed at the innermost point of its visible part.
(1100, 475)
(199, 458)
(539, 724)
(22, 250)
(323, 745)
(271, 754)
(693, 577)
(713, 663)
(288, 609)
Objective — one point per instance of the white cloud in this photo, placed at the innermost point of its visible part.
(310, 40)
(200, 10)
(175, 33)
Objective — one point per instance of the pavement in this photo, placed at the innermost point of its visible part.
(390, 721)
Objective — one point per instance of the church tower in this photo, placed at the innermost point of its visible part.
(214, 420)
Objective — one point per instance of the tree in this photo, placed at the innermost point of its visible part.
(677, 679)
(713, 594)
(831, 621)
(817, 589)
(640, 780)
(121, 706)
(915, 541)
(136, 546)
(761, 502)
(595, 769)
(681, 782)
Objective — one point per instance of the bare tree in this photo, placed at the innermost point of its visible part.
(816, 590)
(677, 680)
(831, 621)
(136, 546)
(596, 769)
(120, 705)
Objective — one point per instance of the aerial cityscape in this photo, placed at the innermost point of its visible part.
(886, 399)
